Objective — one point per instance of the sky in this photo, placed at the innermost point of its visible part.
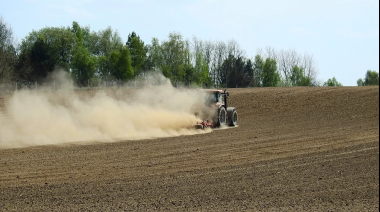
(341, 35)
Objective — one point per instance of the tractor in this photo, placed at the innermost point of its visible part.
(216, 113)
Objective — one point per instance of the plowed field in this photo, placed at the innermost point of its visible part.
(296, 149)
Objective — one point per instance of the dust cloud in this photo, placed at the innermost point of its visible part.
(44, 117)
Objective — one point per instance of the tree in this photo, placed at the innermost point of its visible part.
(62, 42)
(332, 83)
(287, 60)
(83, 67)
(122, 64)
(226, 70)
(106, 41)
(270, 75)
(43, 51)
(297, 77)
(83, 64)
(200, 71)
(137, 51)
(43, 60)
(220, 54)
(174, 54)
(360, 82)
(310, 69)
(200, 60)
(371, 78)
(77, 30)
(7, 52)
(102, 45)
(104, 69)
(242, 73)
(258, 66)
(245, 77)
(154, 57)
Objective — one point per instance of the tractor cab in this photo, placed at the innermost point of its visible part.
(215, 97)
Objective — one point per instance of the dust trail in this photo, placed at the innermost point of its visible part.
(45, 117)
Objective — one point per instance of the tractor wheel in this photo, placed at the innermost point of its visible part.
(232, 117)
(222, 117)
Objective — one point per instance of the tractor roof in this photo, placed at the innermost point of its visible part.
(212, 91)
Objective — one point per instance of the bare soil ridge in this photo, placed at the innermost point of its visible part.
(296, 149)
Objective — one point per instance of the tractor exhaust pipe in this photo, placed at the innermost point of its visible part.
(225, 96)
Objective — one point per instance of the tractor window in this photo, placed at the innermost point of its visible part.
(219, 97)
(211, 98)
(215, 98)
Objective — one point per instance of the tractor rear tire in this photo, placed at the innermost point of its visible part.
(222, 117)
(232, 117)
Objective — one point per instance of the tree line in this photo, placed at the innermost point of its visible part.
(102, 58)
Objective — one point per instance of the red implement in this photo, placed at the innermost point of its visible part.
(203, 125)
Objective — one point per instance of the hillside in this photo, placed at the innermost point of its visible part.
(298, 149)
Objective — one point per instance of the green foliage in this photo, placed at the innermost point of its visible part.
(43, 51)
(102, 57)
(246, 75)
(371, 78)
(7, 53)
(173, 58)
(332, 83)
(83, 67)
(270, 75)
(104, 69)
(258, 66)
(360, 82)
(42, 59)
(104, 42)
(236, 72)
(76, 29)
(201, 75)
(226, 70)
(137, 51)
(298, 78)
(155, 57)
(122, 64)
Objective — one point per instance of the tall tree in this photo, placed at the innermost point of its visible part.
(217, 65)
(122, 69)
(270, 75)
(43, 51)
(106, 41)
(138, 54)
(174, 57)
(83, 64)
(310, 69)
(297, 77)
(238, 75)
(103, 44)
(226, 70)
(83, 67)
(287, 60)
(247, 74)
(201, 73)
(43, 60)
(7, 52)
(77, 30)
(360, 82)
(258, 66)
(371, 78)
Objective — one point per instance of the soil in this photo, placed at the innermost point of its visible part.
(295, 149)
